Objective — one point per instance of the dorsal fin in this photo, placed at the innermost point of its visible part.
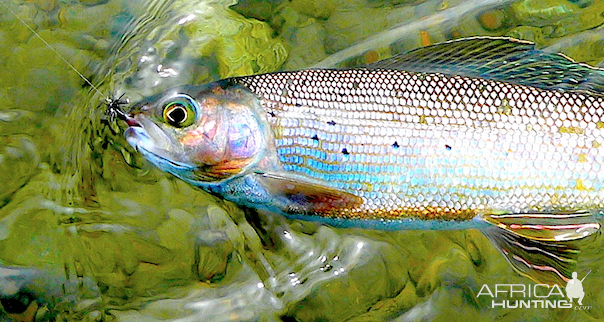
(500, 59)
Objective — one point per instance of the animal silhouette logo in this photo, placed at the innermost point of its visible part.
(574, 288)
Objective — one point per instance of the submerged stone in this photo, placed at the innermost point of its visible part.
(540, 13)
(19, 161)
(492, 19)
(534, 34)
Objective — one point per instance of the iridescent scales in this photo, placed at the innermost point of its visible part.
(489, 129)
(432, 146)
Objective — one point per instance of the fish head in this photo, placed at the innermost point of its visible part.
(201, 134)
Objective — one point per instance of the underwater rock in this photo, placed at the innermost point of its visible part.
(213, 251)
(587, 47)
(582, 3)
(85, 18)
(320, 9)
(587, 18)
(100, 46)
(452, 266)
(534, 34)
(196, 42)
(241, 46)
(22, 294)
(334, 275)
(138, 249)
(46, 5)
(470, 26)
(539, 13)
(12, 120)
(492, 19)
(382, 3)
(19, 161)
(557, 21)
(302, 32)
(93, 2)
(31, 237)
(343, 27)
(387, 309)
(127, 265)
(19, 32)
(35, 67)
(261, 10)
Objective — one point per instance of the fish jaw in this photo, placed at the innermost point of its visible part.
(154, 145)
(145, 135)
(226, 138)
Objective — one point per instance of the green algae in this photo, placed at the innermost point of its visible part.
(541, 13)
(245, 46)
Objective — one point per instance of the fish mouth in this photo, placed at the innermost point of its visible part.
(140, 140)
(136, 136)
(156, 145)
(131, 121)
(160, 159)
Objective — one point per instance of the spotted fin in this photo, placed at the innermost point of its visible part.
(500, 59)
(541, 246)
(307, 197)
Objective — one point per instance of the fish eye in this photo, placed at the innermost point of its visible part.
(179, 113)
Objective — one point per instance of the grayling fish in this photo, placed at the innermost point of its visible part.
(485, 133)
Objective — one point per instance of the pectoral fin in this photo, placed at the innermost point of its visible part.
(541, 246)
(306, 197)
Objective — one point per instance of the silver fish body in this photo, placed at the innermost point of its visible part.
(484, 133)
(435, 146)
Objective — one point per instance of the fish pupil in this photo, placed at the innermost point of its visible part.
(177, 115)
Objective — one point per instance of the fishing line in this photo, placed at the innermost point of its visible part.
(109, 101)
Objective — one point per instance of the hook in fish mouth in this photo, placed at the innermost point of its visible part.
(114, 110)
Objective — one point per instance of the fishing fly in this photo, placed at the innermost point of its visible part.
(114, 108)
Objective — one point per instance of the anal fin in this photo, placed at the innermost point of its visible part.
(541, 246)
(562, 226)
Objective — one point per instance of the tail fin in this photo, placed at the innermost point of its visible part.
(541, 246)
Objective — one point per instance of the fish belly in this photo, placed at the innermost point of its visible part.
(430, 146)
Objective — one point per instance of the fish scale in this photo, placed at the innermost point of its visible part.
(427, 145)
(487, 133)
